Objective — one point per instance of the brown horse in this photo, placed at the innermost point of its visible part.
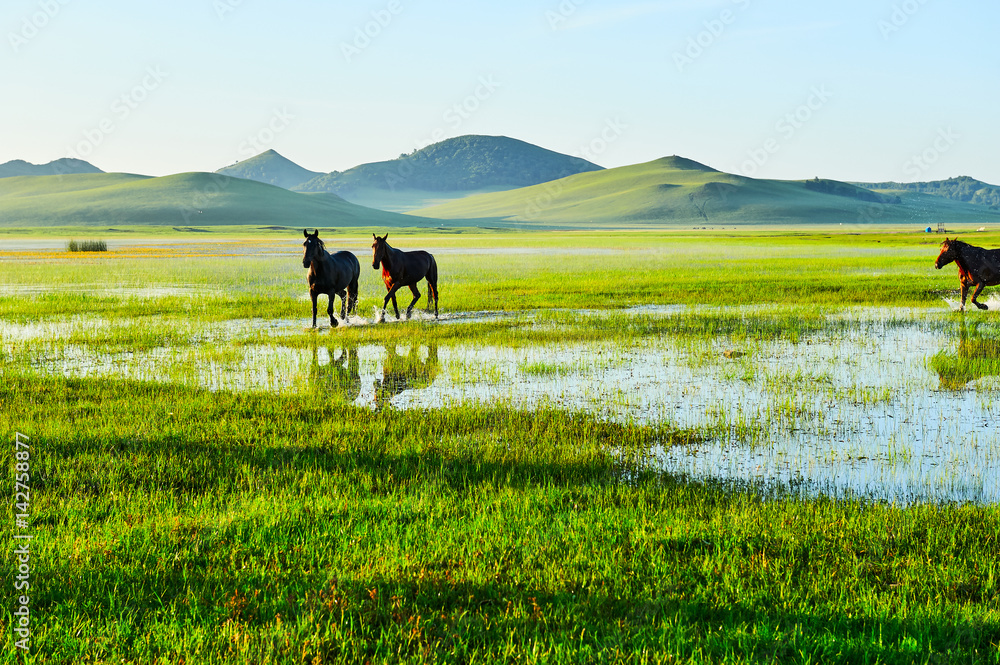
(976, 267)
(401, 269)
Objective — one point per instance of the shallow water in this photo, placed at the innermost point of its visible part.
(853, 410)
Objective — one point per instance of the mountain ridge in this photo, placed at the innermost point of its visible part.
(64, 166)
(676, 191)
(271, 168)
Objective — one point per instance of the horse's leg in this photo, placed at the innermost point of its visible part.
(390, 296)
(979, 287)
(965, 292)
(329, 309)
(314, 296)
(343, 304)
(416, 297)
(352, 296)
(432, 287)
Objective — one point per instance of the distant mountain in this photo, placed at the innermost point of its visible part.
(185, 199)
(271, 168)
(18, 167)
(679, 191)
(962, 188)
(451, 169)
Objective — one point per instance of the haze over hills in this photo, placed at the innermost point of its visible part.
(19, 167)
(450, 169)
(271, 168)
(962, 188)
(184, 199)
(679, 191)
(477, 180)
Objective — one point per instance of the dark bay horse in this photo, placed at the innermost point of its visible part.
(401, 269)
(332, 274)
(976, 267)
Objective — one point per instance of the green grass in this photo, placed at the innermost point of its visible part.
(175, 524)
(977, 354)
(673, 191)
(87, 246)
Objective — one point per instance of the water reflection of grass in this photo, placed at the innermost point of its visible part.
(976, 355)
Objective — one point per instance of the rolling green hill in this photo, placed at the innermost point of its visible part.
(18, 167)
(271, 168)
(185, 199)
(678, 191)
(453, 168)
(962, 188)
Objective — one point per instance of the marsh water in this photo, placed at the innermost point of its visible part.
(856, 408)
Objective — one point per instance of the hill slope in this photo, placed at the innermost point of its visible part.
(962, 188)
(196, 199)
(18, 167)
(678, 191)
(271, 168)
(450, 169)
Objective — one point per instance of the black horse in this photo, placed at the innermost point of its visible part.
(976, 267)
(401, 269)
(332, 274)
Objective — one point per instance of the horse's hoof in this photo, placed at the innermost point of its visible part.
(981, 305)
(333, 323)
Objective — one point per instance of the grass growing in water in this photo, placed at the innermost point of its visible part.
(176, 523)
(179, 524)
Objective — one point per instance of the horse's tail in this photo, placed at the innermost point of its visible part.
(352, 288)
(432, 283)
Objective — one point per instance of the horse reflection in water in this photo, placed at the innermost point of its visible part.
(338, 376)
(405, 372)
(978, 356)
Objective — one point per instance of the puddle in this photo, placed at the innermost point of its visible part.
(897, 405)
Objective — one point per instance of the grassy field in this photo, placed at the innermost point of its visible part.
(177, 523)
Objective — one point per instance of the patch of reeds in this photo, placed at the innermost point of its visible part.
(87, 246)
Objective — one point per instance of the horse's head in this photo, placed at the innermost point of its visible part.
(949, 252)
(379, 249)
(313, 248)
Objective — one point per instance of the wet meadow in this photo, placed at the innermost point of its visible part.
(750, 446)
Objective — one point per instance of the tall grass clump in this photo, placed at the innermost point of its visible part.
(87, 246)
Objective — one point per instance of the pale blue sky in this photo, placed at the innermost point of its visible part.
(858, 89)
